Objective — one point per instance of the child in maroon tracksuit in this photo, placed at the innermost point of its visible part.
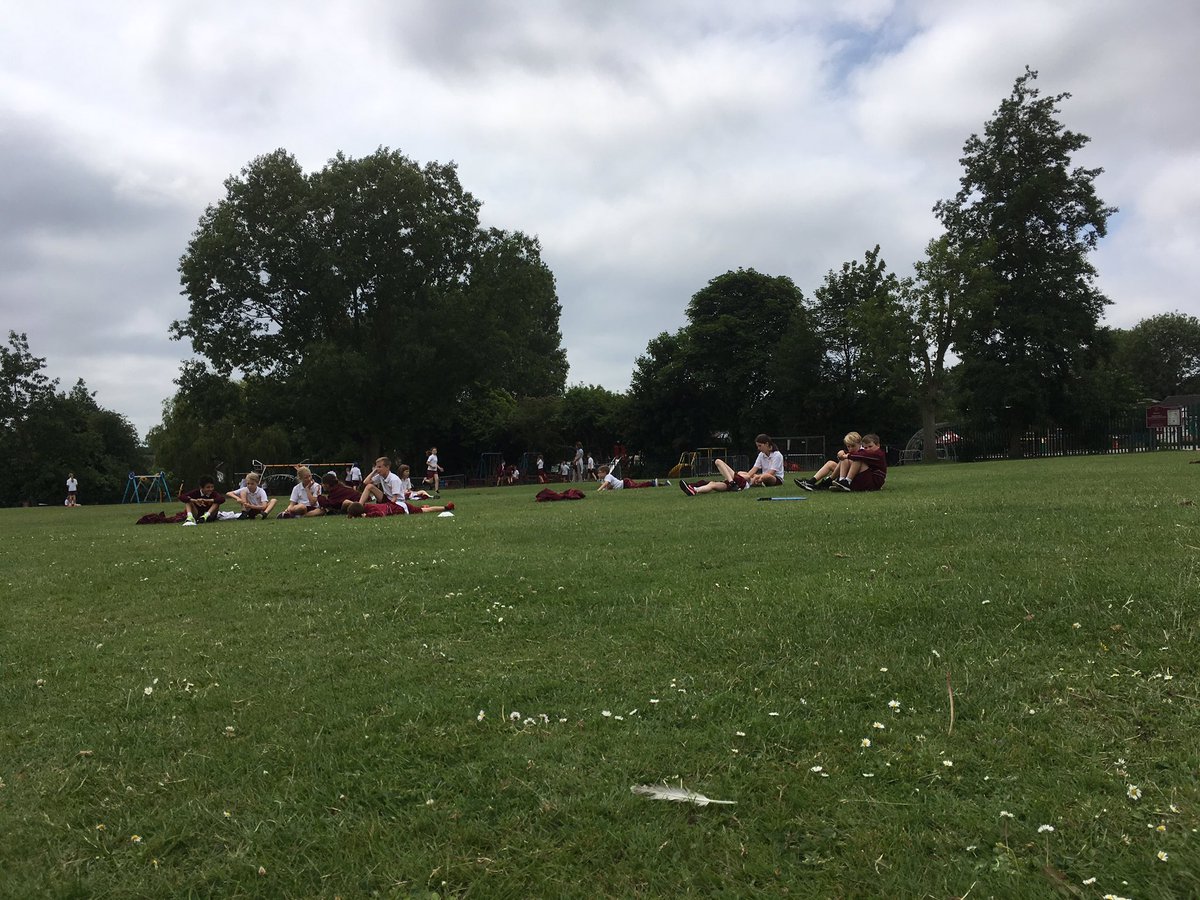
(335, 496)
(867, 469)
(202, 502)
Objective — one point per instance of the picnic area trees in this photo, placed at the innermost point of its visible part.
(370, 286)
(1029, 220)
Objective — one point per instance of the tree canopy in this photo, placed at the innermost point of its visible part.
(1030, 219)
(361, 287)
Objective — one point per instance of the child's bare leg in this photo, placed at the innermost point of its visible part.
(826, 470)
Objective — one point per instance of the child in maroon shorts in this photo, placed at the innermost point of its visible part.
(733, 482)
(335, 496)
(865, 468)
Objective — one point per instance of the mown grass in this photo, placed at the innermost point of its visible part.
(291, 708)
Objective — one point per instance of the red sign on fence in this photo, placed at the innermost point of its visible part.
(1156, 417)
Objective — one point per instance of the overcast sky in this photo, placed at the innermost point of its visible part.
(651, 146)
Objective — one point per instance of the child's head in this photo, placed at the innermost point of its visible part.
(383, 464)
(852, 440)
(329, 480)
(252, 480)
(764, 441)
(432, 451)
(355, 509)
(207, 484)
(602, 471)
(404, 470)
(304, 473)
(870, 440)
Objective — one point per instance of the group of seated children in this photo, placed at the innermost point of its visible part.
(384, 493)
(861, 466)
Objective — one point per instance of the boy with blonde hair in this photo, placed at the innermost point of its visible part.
(303, 501)
(252, 498)
(828, 472)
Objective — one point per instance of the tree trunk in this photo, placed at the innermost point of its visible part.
(928, 431)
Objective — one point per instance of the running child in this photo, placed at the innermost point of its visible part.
(433, 471)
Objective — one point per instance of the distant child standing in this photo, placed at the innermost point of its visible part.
(72, 489)
(202, 502)
(353, 476)
(433, 471)
(541, 469)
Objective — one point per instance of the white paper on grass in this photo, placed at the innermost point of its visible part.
(445, 513)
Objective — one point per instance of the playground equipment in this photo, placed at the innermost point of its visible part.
(945, 444)
(147, 488)
(698, 462)
(489, 463)
(285, 473)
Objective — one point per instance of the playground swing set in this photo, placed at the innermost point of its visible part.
(147, 488)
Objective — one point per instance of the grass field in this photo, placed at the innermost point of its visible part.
(429, 706)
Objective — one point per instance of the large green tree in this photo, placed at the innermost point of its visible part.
(1162, 355)
(1031, 219)
(713, 376)
(859, 315)
(370, 289)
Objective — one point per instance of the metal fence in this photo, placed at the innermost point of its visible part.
(1124, 432)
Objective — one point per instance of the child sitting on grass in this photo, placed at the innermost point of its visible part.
(826, 474)
(335, 496)
(303, 501)
(865, 468)
(610, 482)
(406, 485)
(767, 470)
(734, 481)
(252, 498)
(382, 484)
(202, 502)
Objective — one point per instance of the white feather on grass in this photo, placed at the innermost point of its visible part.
(678, 794)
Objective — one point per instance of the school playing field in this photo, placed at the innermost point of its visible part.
(427, 706)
